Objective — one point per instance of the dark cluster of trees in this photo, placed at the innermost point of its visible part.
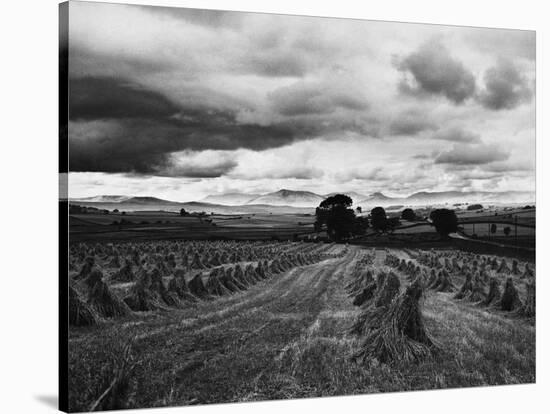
(409, 215)
(444, 221)
(380, 221)
(340, 221)
(336, 215)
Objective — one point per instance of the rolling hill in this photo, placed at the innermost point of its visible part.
(298, 201)
(230, 199)
(289, 198)
(425, 198)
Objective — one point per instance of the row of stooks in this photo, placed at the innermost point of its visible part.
(471, 262)
(170, 246)
(187, 256)
(91, 298)
(478, 287)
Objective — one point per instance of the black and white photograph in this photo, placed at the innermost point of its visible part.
(264, 206)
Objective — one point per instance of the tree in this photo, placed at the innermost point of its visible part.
(378, 219)
(115, 210)
(444, 221)
(408, 214)
(336, 200)
(359, 209)
(183, 212)
(474, 207)
(340, 223)
(493, 228)
(507, 230)
(335, 213)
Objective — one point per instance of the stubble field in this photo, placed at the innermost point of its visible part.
(280, 327)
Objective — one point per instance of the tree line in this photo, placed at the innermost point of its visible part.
(335, 215)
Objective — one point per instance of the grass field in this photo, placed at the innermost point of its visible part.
(288, 336)
(163, 225)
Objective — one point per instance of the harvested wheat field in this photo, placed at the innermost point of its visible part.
(180, 323)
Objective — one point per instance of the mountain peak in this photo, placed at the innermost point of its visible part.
(286, 192)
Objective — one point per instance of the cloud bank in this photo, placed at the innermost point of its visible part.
(197, 102)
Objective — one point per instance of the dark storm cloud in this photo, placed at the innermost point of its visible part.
(471, 155)
(117, 126)
(410, 123)
(505, 87)
(436, 72)
(103, 97)
(145, 146)
(457, 135)
(120, 126)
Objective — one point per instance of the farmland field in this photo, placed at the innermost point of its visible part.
(163, 225)
(269, 320)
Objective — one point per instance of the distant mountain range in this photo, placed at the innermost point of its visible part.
(308, 199)
(279, 198)
(300, 200)
(452, 197)
(121, 199)
(230, 199)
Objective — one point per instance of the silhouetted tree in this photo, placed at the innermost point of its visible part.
(183, 212)
(336, 200)
(359, 209)
(378, 219)
(445, 221)
(408, 214)
(335, 213)
(507, 230)
(493, 228)
(340, 223)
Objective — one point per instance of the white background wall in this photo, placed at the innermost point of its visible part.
(29, 189)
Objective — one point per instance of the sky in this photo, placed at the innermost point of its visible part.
(182, 103)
